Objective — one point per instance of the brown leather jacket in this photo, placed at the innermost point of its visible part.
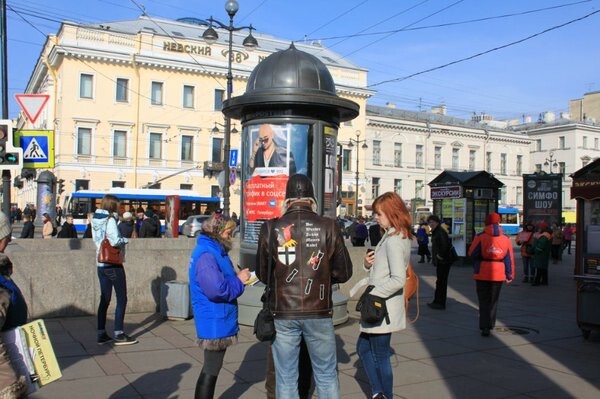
(309, 255)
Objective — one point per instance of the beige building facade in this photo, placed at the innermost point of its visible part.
(136, 103)
(586, 108)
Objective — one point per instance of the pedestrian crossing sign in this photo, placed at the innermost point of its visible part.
(38, 148)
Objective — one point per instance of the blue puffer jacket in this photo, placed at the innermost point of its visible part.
(214, 288)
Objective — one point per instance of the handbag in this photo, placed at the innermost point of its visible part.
(264, 324)
(372, 308)
(108, 253)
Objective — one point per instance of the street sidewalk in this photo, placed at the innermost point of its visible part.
(536, 350)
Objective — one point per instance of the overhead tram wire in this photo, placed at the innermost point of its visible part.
(407, 26)
(485, 52)
(465, 22)
(382, 21)
(337, 17)
(174, 107)
(240, 20)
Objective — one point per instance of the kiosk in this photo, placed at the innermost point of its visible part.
(290, 116)
(462, 200)
(586, 190)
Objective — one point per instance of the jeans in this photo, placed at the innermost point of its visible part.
(109, 277)
(320, 340)
(374, 353)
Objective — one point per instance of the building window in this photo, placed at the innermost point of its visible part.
(375, 187)
(503, 195)
(503, 164)
(219, 98)
(519, 165)
(155, 146)
(119, 143)
(118, 183)
(596, 143)
(437, 158)
(472, 159)
(419, 156)
(187, 148)
(562, 170)
(419, 189)
(455, 153)
(398, 186)
(82, 184)
(186, 186)
(217, 149)
(156, 95)
(538, 145)
(86, 86)
(215, 191)
(519, 199)
(346, 160)
(584, 161)
(122, 90)
(561, 142)
(488, 162)
(398, 155)
(584, 142)
(188, 96)
(84, 141)
(538, 167)
(376, 152)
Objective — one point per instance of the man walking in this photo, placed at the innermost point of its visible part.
(440, 254)
(308, 255)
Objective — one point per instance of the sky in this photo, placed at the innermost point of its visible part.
(536, 55)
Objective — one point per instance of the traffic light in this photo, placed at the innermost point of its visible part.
(10, 157)
(61, 186)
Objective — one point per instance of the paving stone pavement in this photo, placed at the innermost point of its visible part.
(441, 355)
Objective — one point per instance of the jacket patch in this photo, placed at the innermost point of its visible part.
(286, 250)
(308, 286)
(291, 276)
(315, 260)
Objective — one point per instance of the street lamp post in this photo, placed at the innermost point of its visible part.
(364, 146)
(551, 162)
(211, 36)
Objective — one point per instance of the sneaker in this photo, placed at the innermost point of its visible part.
(104, 338)
(124, 339)
(485, 332)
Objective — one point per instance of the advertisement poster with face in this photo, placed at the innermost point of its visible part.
(274, 152)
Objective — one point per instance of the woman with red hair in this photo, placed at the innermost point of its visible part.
(387, 274)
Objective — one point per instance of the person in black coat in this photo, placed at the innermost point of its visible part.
(150, 227)
(28, 227)
(441, 246)
(68, 229)
(127, 226)
(374, 234)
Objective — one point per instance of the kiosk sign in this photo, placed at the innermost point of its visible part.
(542, 198)
(448, 192)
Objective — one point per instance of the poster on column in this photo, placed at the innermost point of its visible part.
(273, 153)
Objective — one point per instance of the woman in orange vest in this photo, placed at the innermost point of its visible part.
(493, 263)
(525, 240)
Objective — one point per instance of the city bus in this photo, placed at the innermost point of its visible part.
(510, 219)
(81, 202)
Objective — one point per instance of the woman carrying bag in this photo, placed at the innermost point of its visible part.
(110, 275)
(387, 266)
(214, 287)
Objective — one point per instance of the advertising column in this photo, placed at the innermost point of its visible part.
(453, 212)
(542, 200)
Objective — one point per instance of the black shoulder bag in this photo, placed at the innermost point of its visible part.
(372, 308)
(264, 325)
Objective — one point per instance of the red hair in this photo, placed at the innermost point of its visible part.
(394, 209)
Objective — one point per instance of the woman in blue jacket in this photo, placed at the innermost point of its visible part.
(215, 287)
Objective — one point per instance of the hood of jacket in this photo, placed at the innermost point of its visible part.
(99, 220)
(493, 229)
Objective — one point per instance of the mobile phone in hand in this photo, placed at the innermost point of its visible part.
(369, 250)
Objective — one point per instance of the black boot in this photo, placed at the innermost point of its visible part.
(205, 386)
(422, 260)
